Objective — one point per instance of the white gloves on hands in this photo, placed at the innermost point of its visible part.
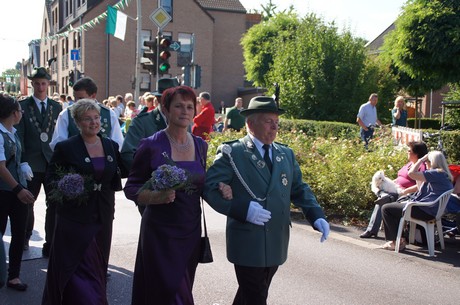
(257, 214)
(26, 171)
(323, 226)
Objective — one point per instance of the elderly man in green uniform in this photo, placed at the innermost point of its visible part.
(258, 215)
(35, 131)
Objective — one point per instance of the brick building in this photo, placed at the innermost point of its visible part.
(215, 25)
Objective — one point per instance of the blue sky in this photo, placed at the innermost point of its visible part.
(21, 20)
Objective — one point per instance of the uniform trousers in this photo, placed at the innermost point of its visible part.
(254, 283)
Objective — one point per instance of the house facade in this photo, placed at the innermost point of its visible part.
(209, 32)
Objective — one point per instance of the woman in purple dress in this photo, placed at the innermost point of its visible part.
(169, 241)
(83, 175)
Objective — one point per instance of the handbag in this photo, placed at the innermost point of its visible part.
(205, 245)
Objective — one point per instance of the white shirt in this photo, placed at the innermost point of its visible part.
(38, 102)
(259, 145)
(2, 142)
(368, 114)
(61, 132)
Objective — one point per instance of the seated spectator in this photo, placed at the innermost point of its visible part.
(415, 151)
(436, 179)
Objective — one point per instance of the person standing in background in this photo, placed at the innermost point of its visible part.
(234, 120)
(204, 121)
(35, 130)
(367, 117)
(399, 112)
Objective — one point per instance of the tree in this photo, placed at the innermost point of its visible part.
(425, 44)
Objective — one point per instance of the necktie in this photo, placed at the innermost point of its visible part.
(43, 111)
(267, 159)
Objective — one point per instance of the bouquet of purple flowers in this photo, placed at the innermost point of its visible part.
(168, 177)
(70, 186)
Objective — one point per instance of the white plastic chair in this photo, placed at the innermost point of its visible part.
(427, 225)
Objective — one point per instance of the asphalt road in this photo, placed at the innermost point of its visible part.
(343, 270)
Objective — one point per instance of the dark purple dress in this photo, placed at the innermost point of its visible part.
(169, 240)
(83, 232)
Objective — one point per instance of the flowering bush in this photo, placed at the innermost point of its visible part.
(338, 169)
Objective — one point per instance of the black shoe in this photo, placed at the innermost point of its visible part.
(368, 234)
(385, 199)
(46, 250)
(18, 286)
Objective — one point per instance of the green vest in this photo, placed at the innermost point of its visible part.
(13, 153)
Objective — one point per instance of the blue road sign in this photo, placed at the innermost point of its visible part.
(75, 54)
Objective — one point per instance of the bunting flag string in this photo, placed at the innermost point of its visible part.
(120, 5)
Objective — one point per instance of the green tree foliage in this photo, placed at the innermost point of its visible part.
(426, 43)
(323, 74)
(259, 46)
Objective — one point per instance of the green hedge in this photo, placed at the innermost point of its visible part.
(425, 123)
(451, 142)
(323, 129)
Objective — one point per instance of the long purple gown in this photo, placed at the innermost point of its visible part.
(167, 255)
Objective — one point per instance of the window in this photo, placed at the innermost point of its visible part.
(184, 55)
(168, 6)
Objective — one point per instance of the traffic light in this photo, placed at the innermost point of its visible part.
(71, 78)
(150, 61)
(186, 75)
(164, 55)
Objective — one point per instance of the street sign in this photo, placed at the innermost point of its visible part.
(160, 17)
(175, 46)
(75, 54)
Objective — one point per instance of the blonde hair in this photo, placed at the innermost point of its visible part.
(439, 162)
(82, 106)
(397, 100)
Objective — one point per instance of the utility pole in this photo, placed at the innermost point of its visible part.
(138, 51)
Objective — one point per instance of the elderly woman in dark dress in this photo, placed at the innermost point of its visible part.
(79, 255)
(169, 241)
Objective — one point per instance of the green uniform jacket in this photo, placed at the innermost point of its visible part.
(36, 133)
(142, 126)
(249, 244)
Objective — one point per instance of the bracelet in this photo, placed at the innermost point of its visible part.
(18, 188)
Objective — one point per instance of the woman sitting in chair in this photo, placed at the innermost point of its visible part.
(437, 179)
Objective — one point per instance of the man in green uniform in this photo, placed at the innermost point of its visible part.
(35, 131)
(265, 178)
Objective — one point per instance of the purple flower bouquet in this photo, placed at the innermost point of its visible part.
(70, 186)
(168, 177)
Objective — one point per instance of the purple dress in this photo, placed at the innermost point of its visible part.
(169, 240)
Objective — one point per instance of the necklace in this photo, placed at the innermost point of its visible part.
(92, 144)
(178, 146)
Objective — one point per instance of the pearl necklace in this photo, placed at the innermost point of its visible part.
(92, 144)
(178, 146)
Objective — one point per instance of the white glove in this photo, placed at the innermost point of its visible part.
(26, 171)
(323, 226)
(257, 214)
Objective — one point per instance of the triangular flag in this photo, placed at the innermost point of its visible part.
(116, 23)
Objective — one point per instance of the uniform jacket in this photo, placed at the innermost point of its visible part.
(72, 154)
(36, 132)
(249, 244)
(144, 125)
